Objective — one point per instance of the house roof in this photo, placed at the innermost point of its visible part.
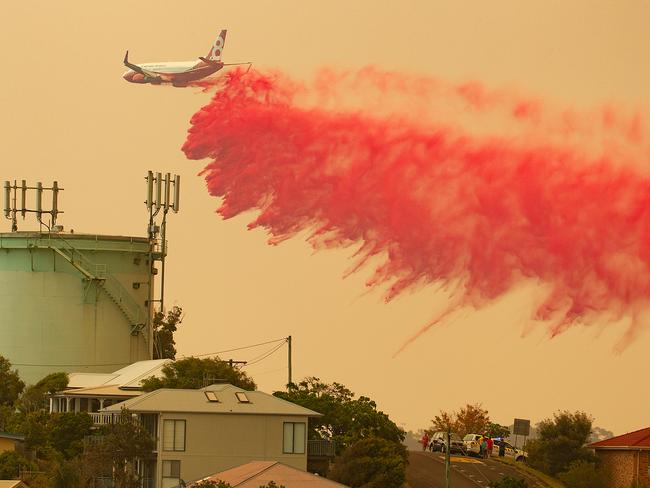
(639, 439)
(128, 377)
(257, 473)
(104, 390)
(12, 484)
(196, 401)
(15, 437)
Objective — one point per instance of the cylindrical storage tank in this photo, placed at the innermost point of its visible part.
(74, 302)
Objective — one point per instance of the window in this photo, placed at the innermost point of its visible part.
(171, 474)
(241, 396)
(174, 435)
(211, 396)
(294, 438)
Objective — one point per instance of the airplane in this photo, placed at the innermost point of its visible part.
(180, 73)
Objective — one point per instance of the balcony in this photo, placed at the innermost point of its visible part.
(100, 418)
(321, 448)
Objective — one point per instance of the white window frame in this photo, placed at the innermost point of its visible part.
(175, 433)
(176, 480)
(291, 427)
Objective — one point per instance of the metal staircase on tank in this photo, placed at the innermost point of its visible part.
(98, 273)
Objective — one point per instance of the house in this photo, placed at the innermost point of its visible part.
(259, 473)
(200, 432)
(11, 442)
(90, 392)
(627, 457)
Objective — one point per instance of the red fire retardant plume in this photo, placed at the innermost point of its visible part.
(408, 174)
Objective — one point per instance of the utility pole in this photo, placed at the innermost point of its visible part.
(232, 361)
(447, 459)
(289, 359)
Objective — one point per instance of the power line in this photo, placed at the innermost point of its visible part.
(237, 348)
(250, 363)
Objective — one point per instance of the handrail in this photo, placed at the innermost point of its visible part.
(109, 283)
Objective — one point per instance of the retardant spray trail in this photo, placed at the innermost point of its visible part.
(548, 195)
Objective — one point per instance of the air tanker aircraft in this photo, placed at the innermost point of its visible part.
(178, 73)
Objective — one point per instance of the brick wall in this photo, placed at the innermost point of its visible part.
(644, 466)
(622, 465)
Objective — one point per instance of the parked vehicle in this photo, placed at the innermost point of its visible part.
(439, 442)
(472, 444)
(510, 451)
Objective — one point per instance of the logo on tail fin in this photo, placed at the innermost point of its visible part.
(217, 47)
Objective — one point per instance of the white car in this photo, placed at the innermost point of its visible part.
(509, 450)
(473, 443)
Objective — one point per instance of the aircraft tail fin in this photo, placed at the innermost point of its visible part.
(217, 48)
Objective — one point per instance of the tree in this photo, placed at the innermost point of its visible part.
(471, 419)
(67, 432)
(560, 443)
(211, 484)
(600, 434)
(11, 463)
(372, 463)
(497, 430)
(583, 474)
(508, 482)
(35, 396)
(345, 419)
(195, 373)
(164, 327)
(11, 386)
(116, 452)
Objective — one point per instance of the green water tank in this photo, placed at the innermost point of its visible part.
(74, 302)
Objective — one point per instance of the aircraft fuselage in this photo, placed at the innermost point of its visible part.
(178, 73)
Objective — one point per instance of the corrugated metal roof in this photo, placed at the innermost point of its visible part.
(104, 390)
(128, 377)
(639, 439)
(258, 473)
(12, 484)
(85, 380)
(15, 437)
(196, 401)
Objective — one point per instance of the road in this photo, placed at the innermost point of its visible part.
(427, 470)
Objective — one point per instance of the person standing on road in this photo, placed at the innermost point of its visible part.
(425, 441)
(490, 446)
(484, 446)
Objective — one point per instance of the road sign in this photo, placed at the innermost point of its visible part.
(521, 427)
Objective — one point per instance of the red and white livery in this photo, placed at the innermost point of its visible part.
(179, 73)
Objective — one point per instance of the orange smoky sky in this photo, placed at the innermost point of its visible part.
(68, 115)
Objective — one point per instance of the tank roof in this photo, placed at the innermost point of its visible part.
(71, 235)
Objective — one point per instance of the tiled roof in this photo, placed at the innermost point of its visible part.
(639, 439)
(257, 473)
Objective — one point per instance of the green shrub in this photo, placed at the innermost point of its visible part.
(11, 463)
(372, 463)
(508, 482)
(583, 474)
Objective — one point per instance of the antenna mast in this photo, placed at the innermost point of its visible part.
(12, 207)
(160, 190)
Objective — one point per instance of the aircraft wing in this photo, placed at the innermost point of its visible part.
(138, 69)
